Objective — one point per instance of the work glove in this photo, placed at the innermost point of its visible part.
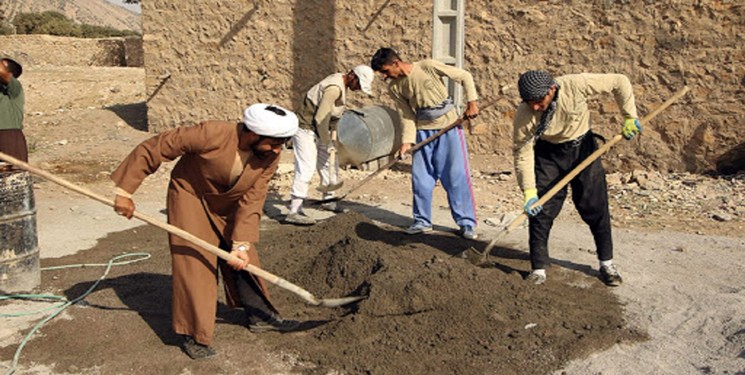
(531, 196)
(631, 127)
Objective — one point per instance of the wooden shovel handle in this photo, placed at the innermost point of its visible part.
(274, 279)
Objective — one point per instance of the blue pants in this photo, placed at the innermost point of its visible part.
(444, 159)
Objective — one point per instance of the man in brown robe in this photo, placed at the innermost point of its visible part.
(216, 192)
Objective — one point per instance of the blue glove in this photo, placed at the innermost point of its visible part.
(531, 197)
(631, 127)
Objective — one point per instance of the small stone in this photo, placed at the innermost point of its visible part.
(721, 216)
(492, 222)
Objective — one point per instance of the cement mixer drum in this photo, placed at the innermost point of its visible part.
(367, 134)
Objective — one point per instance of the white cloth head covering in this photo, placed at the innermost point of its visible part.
(366, 75)
(270, 120)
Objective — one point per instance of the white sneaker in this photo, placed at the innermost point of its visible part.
(468, 232)
(536, 278)
(418, 228)
(610, 275)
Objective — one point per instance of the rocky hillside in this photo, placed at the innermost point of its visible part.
(94, 12)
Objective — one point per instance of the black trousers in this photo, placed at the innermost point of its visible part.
(249, 294)
(589, 194)
(255, 305)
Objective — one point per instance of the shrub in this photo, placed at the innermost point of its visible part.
(54, 23)
(6, 29)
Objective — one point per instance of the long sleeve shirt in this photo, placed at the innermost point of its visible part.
(571, 119)
(323, 102)
(11, 105)
(325, 112)
(423, 88)
(203, 182)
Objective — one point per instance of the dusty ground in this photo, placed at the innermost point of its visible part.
(679, 242)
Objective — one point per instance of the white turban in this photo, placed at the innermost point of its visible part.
(270, 120)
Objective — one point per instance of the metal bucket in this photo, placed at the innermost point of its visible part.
(367, 134)
(19, 251)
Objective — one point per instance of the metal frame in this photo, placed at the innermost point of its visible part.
(448, 40)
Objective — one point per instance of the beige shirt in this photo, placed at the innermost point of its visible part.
(423, 88)
(571, 119)
(324, 102)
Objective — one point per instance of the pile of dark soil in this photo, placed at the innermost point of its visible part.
(426, 311)
(431, 312)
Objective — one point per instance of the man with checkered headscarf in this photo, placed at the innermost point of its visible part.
(552, 136)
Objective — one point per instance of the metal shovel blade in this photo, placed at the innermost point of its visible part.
(329, 200)
(330, 187)
(481, 259)
(336, 302)
(473, 256)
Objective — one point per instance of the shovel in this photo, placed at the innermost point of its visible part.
(395, 160)
(480, 259)
(332, 169)
(276, 280)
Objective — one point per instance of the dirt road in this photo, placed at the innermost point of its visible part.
(678, 237)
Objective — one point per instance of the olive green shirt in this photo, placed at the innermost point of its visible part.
(423, 88)
(571, 119)
(11, 105)
(324, 102)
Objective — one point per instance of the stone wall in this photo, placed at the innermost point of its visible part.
(211, 59)
(39, 50)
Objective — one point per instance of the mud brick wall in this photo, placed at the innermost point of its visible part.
(212, 58)
(40, 50)
(133, 52)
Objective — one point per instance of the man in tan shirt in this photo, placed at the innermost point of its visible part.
(551, 136)
(424, 108)
(217, 192)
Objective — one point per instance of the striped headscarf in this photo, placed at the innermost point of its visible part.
(533, 86)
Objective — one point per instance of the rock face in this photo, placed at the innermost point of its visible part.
(212, 58)
(93, 12)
